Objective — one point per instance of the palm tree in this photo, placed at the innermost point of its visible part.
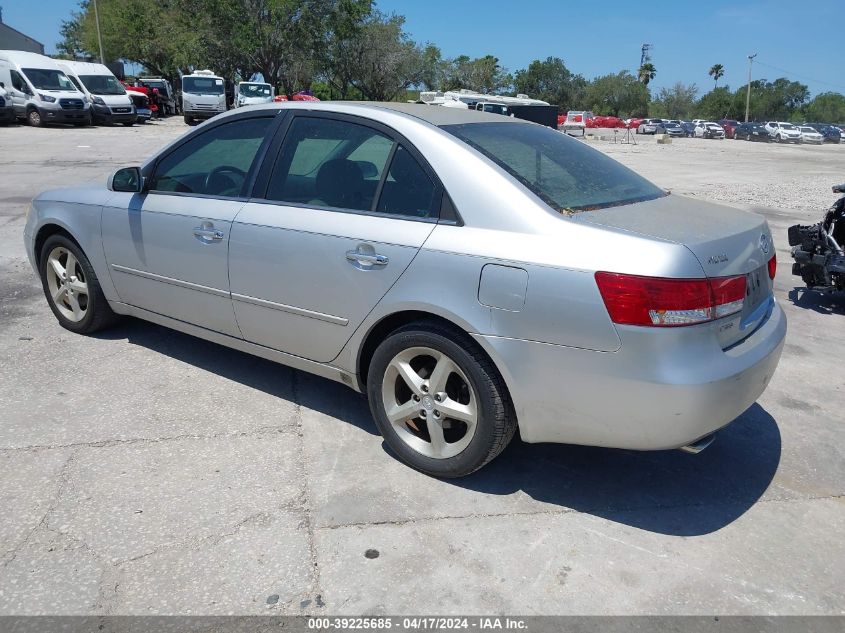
(646, 72)
(717, 71)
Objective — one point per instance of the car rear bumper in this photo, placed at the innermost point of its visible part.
(663, 389)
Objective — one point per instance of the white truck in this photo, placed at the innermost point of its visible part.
(40, 91)
(203, 95)
(253, 93)
(109, 102)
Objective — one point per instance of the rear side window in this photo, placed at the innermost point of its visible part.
(343, 165)
(565, 173)
(214, 163)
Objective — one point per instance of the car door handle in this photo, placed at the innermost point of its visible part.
(371, 259)
(211, 235)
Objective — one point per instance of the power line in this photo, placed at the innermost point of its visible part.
(805, 78)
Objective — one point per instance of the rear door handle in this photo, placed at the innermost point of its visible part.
(368, 259)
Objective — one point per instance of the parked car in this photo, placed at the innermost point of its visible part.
(203, 96)
(648, 126)
(782, 132)
(108, 98)
(663, 301)
(145, 112)
(752, 132)
(830, 133)
(167, 99)
(7, 110)
(254, 93)
(688, 128)
(671, 129)
(708, 129)
(810, 135)
(632, 124)
(40, 91)
(729, 126)
(607, 122)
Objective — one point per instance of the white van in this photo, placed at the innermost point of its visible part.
(253, 92)
(107, 96)
(203, 95)
(7, 111)
(40, 91)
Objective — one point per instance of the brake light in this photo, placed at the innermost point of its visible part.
(773, 267)
(659, 302)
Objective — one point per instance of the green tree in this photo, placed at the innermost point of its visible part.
(619, 94)
(483, 74)
(717, 71)
(827, 107)
(719, 103)
(646, 73)
(551, 81)
(677, 102)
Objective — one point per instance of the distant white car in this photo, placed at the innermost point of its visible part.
(782, 132)
(708, 129)
(810, 135)
(254, 93)
(649, 126)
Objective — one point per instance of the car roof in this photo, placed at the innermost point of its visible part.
(433, 114)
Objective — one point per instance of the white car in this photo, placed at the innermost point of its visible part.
(810, 135)
(708, 129)
(254, 93)
(782, 132)
(649, 126)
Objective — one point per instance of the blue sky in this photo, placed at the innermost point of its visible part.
(595, 38)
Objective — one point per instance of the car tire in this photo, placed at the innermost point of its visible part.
(188, 120)
(468, 385)
(128, 124)
(34, 119)
(71, 287)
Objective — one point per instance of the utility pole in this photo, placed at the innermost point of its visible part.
(99, 37)
(748, 92)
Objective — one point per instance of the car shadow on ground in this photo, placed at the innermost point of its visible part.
(823, 303)
(667, 492)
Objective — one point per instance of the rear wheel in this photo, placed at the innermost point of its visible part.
(188, 120)
(438, 401)
(72, 288)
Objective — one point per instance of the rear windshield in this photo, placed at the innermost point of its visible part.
(202, 85)
(564, 172)
(102, 85)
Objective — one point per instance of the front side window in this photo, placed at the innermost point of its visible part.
(46, 79)
(214, 163)
(563, 172)
(18, 82)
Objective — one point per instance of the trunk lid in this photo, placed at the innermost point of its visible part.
(725, 241)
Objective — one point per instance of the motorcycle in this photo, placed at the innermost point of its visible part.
(818, 249)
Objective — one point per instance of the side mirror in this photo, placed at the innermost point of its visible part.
(127, 179)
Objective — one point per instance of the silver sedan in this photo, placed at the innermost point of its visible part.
(472, 274)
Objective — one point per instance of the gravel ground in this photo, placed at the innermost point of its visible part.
(146, 472)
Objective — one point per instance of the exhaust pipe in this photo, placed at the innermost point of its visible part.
(699, 445)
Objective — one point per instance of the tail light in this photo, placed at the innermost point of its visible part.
(659, 302)
(773, 267)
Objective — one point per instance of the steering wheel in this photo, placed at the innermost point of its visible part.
(222, 169)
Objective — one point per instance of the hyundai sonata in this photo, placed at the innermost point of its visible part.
(472, 274)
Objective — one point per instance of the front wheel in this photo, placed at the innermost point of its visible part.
(72, 288)
(34, 118)
(188, 120)
(439, 401)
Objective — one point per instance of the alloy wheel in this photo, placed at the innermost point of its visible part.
(430, 402)
(67, 284)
